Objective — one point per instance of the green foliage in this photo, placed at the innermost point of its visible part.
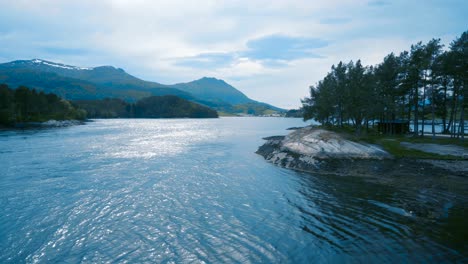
(392, 143)
(344, 94)
(73, 83)
(393, 146)
(151, 107)
(253, 108)
(213, 90)
(425, 82)
(97, 83)
(250, 108)
(26, 105)
(105, 108)
(171, 107)
(294, 113)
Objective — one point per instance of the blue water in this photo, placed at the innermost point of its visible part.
(186, 190)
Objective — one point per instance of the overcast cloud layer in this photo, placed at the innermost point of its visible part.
(270, 50)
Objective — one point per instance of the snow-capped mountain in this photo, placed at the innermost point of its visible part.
(75, 83)
(39, 62)
(59, 65)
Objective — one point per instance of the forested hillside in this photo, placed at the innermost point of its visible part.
(26, 105)
(151, 107)
(90, 83)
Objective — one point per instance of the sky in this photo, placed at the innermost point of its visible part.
(270, 50)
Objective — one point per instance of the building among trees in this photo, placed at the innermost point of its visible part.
(425, 84)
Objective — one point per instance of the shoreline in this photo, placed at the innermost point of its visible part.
(315, 150)
(47, 124)
(415, 176)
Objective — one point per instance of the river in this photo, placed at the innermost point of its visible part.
(193, 190)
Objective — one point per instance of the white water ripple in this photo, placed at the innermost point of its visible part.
(183, 190)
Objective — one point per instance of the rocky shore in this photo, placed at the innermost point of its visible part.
(49, 124)
(320, 151)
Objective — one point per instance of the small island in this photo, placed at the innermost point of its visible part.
(320, 151)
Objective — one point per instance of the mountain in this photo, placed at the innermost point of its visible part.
(98, 75)
(76, 83)
(213, 90)
(81, 83)
(220, 95)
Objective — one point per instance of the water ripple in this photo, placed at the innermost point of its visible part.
(181, 191)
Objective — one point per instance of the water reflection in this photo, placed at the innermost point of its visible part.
(388, 222)
(195, 191)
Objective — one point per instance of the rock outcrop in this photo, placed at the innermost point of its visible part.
(49, 124)
(320, 151)
(314, 149)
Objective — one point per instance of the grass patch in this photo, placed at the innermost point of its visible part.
(220, 113)
(394, 147)
(391, 143)
(438, 140)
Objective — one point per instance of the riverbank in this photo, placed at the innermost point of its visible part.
(194, 186)
(47, 124)
(316, 150)
(321, 152)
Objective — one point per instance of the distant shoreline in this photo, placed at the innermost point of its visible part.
(47, 124)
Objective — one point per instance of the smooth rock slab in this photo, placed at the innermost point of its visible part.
(313, 149)
(320, 143)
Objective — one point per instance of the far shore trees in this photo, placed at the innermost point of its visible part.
(424, 83)
(28, 105)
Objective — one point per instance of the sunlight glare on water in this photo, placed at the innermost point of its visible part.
(185, 190)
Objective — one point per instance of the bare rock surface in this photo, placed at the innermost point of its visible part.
(328, 154)
(320, 151)
(49, 124)
(322, 144)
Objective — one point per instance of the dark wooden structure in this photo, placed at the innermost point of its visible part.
(393, 127)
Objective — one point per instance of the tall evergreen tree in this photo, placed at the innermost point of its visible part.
(398, 88)
(459, 49)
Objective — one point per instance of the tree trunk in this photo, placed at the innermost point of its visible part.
(424, 103)
(433, 109)
(453, 118)
(453, 111)
(358, 125)
(416, 112)
(444, 111)
(340, 115)
(461, 126)
(409, 109)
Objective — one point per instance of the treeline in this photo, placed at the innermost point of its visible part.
(23, 105)
(249, 108)
(168, 106)
(294, 113)
(27, 105)
(424, 83)
(105, 108)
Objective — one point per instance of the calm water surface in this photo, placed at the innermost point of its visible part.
(185, 190)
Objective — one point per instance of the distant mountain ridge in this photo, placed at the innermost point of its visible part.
(87, 83)
(212, 89)
(76, 83)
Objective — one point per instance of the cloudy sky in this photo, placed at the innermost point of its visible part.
(270, 50)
